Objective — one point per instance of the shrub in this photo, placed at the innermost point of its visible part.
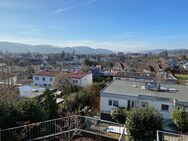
(143, 123)
(180, 118)
(119, 115)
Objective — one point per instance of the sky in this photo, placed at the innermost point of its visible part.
(119, 25)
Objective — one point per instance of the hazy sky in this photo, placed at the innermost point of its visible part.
(127, 25)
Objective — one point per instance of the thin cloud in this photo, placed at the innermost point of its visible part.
(73, 6)
(18, 5)
(29, 33)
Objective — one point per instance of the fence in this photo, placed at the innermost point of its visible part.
(168, 136)
(63, 129)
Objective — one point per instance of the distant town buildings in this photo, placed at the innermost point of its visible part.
(8, 78)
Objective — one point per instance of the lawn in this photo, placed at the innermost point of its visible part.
(181, 76)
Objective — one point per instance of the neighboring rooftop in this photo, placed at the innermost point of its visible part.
(48, 73)
(132, 88)
(5, 75)
(136, 75)
(76, 75)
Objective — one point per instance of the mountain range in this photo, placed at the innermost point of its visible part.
(22, 48)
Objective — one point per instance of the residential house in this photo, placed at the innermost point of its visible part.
(35, 65)
(106, 67)
(8, 78)
(46, 78)
(185, 66)
(71, 68)
(135, 76)
(118, 67)
(162, 77)
(80, 78)
(56, 67)
(21, 66)
(2, 66)
(132, 94)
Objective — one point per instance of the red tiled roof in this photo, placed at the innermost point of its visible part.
(76, 75)
(48, 73)
(4, 75)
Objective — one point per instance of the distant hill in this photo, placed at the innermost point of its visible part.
(156, 51)
(178, 51)
(87, 50)
(170, 52)
(22, 48)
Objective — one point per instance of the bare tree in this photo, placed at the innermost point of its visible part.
(7, 89)
(63, 84)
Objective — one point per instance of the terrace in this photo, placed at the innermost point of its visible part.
(65, 128)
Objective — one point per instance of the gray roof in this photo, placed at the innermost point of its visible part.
(137, 75)
(132, 88)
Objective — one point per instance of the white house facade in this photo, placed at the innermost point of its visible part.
(131, 94)
(80, 78)
(46, 78)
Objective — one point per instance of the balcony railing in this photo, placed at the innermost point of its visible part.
(66, 128)
(169, 136)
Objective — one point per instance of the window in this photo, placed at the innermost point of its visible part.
(75, 81)
(43, 78)
(113, 103)
(36, 78)
(110, 102)
(128, 104)
(116, 103)
(164, 107)
(144, 104)
(133, 104)
(51, 79)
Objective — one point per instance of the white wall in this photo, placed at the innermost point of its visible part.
(104, 105)
(123, 102)
(78, 81)
(13, 80)
(86, 80)
(157, 106)
(41, 82)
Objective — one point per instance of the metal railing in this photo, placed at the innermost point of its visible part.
(169, 136)
(66, 128)
(122, 136)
